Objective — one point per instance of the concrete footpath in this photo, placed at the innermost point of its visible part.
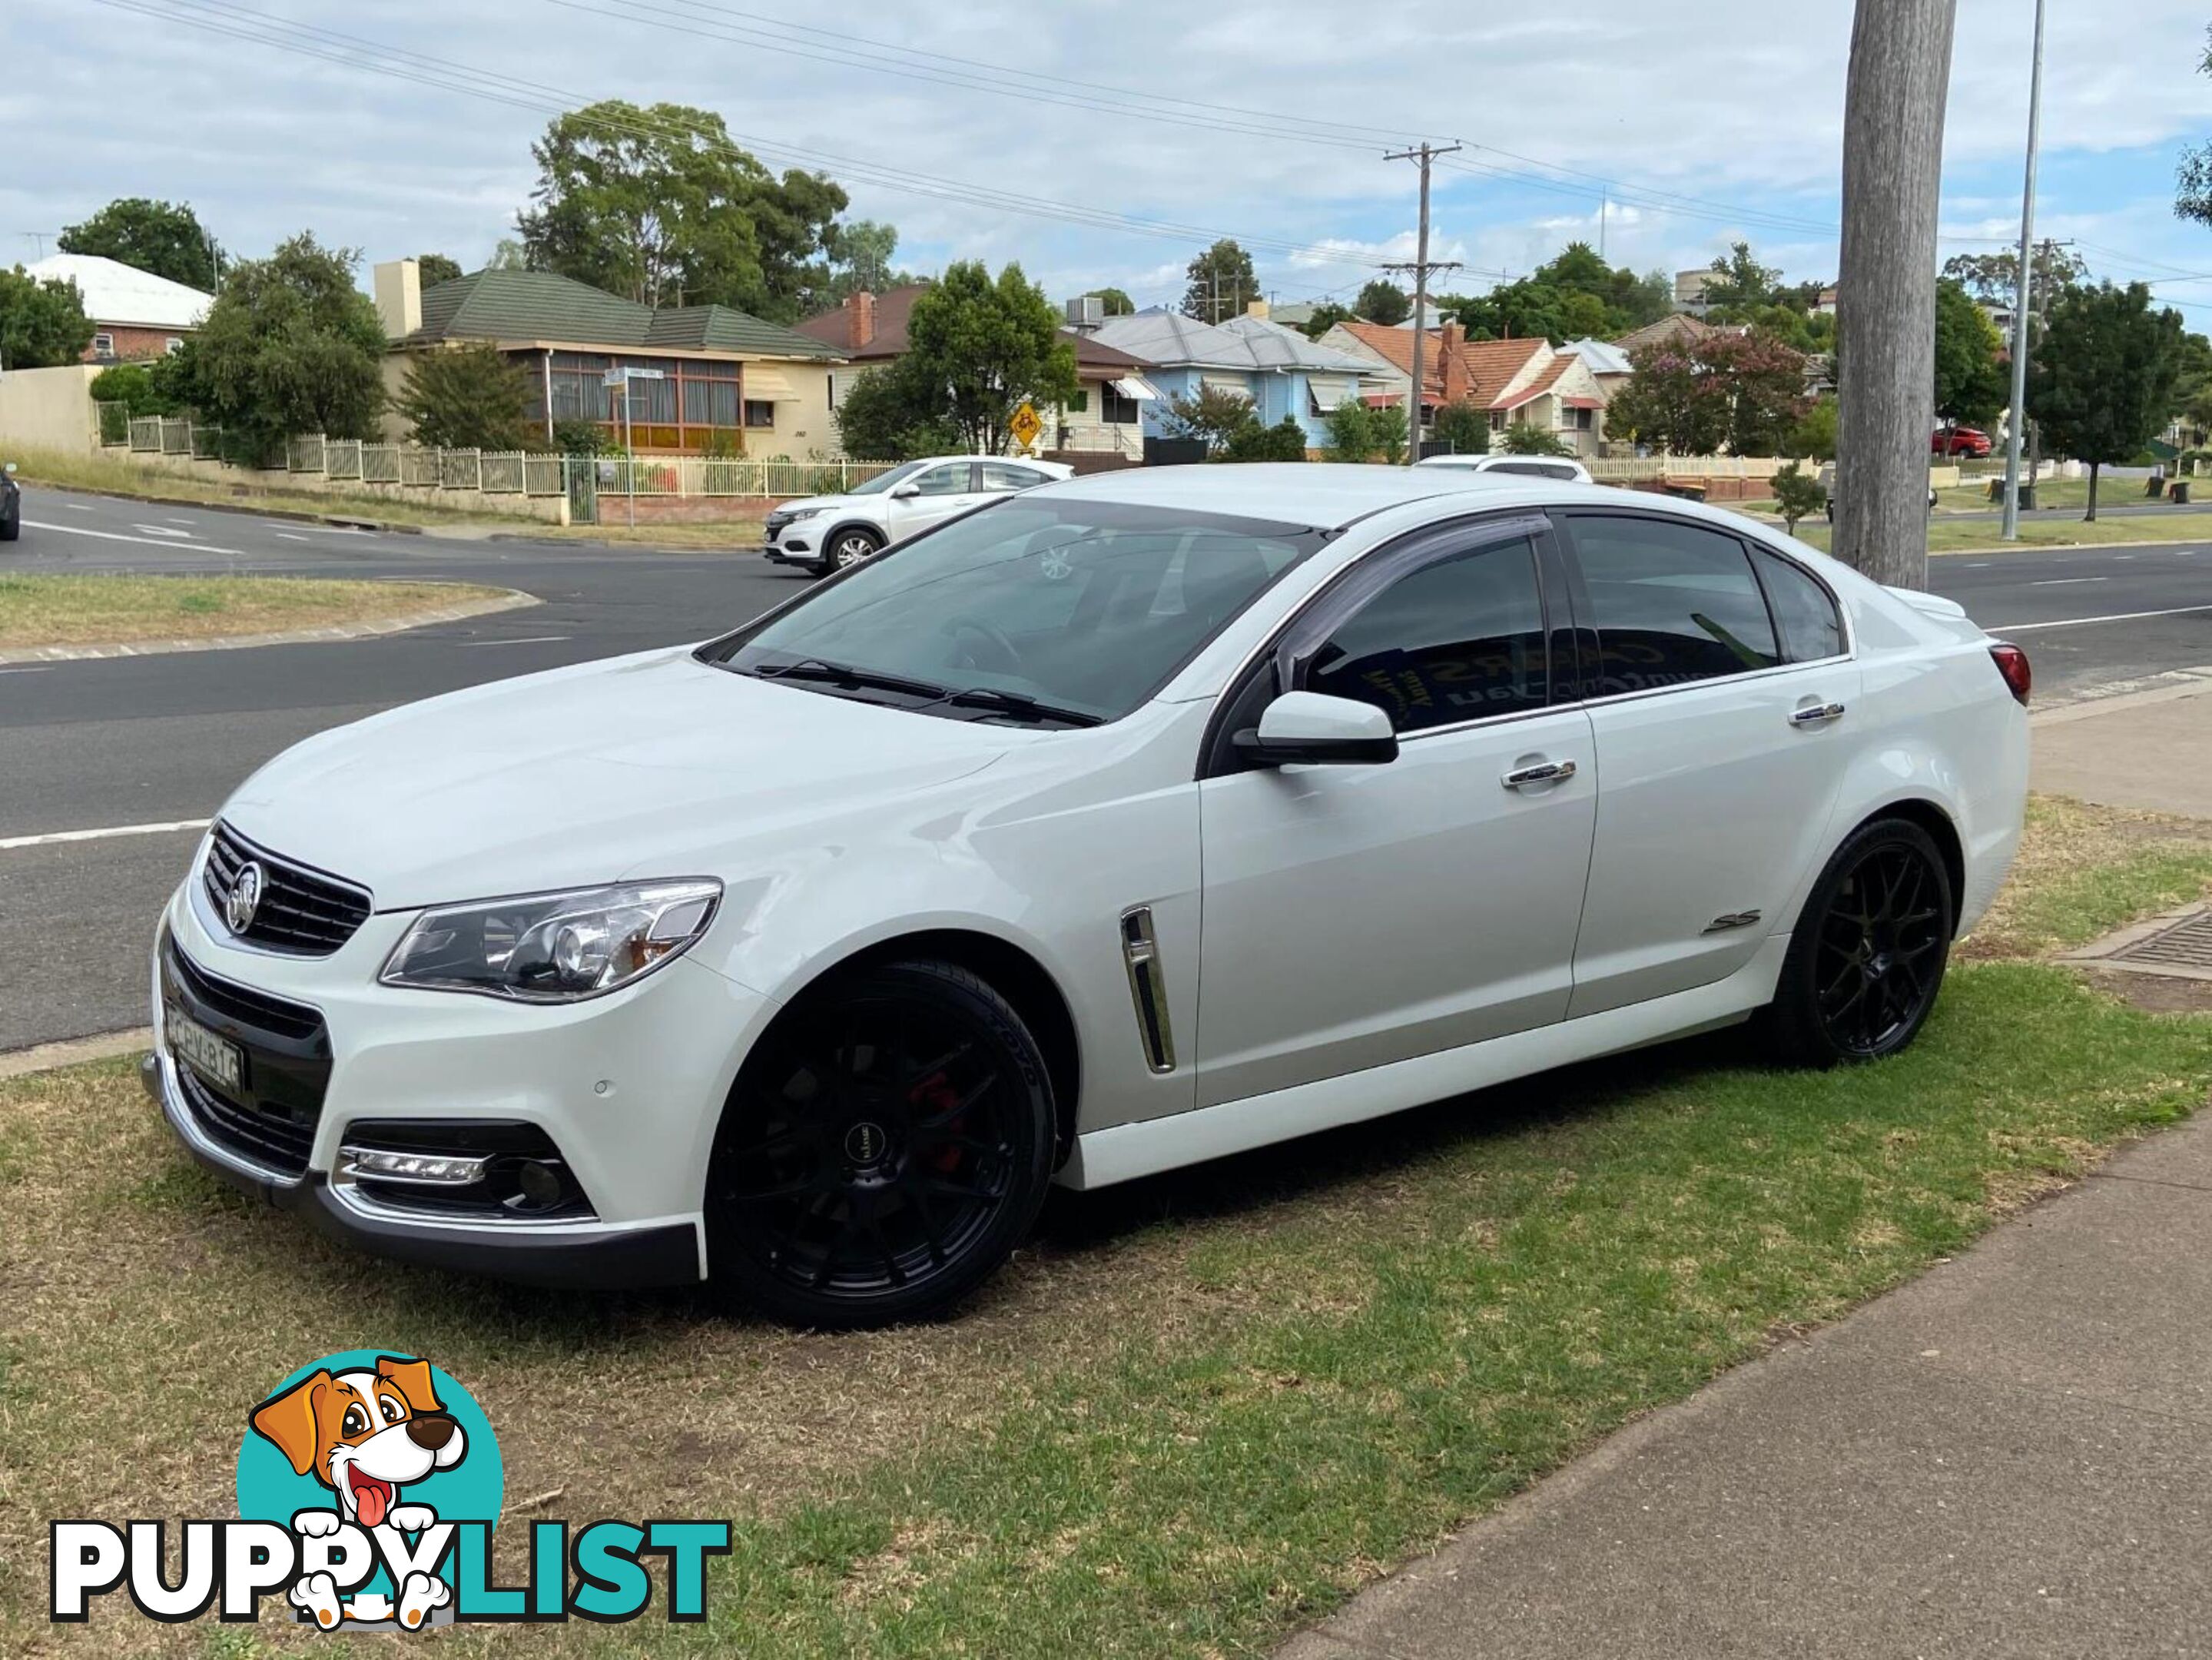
(2011, 1455)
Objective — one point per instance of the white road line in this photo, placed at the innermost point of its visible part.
(2084, 622)
(148, 541)
(174, 826)
(531, 639)
(164, 531)
(79, 507)
(174, 519)
(288, 537)
(2066, 581)
(26, 668)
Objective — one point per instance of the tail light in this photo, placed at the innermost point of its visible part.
(2012, 663)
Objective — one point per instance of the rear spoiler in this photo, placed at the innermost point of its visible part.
(1930, 605)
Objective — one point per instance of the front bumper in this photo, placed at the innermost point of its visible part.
(627, 1087)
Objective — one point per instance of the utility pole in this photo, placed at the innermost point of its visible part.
(1900, 63)
(2023, 293)
(1425, 154)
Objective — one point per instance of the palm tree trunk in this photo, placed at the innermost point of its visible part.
(1900, 63)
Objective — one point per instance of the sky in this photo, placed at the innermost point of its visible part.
(1004, 129)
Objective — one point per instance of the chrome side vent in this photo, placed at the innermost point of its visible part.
(1147, 989)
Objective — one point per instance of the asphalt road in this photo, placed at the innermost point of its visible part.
(115, 743)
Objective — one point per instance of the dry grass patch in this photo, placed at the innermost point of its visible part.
(2084, 870)
(116, 610)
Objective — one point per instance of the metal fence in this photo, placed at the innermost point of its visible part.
(509, 473)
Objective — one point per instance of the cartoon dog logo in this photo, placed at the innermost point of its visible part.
(365, 1435)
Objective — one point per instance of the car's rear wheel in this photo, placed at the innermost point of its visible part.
(1867, 956)
(12, 529)
(885, 1150)
(849, 546)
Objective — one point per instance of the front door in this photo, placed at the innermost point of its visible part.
(939, 492)
(1721, 705)
(1357, 916)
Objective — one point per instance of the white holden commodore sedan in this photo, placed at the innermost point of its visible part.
(1129, 821)
(825, 533)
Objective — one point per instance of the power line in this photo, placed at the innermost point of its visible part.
(239, 22)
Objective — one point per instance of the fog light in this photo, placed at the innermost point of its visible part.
(541, 1185)
(434, 1170)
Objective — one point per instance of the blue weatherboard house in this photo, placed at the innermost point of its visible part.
(1278, 368)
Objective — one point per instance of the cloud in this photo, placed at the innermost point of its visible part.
(1728, 128)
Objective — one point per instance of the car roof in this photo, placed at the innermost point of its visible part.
(1327, 495)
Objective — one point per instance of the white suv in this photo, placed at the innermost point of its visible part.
(826, 533)
(1563, 468)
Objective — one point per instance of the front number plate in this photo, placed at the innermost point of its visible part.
(218, 1059)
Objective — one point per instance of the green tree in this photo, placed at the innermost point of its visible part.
(1816, 437)
(1351, 431)
(658, 205)
(861, 253)
(1739, 282)
(1527, 438)
(1798, 495)
(1994, 278)
(2193, 384)
(142, 388)
(289, 346)
(1221, 282)
(1326, 316)
(1116, 303)
(891, 414)
(1762, 379)
(984, 348)
(1670, 402)
(2192, 197)
(1213, 415)
(1971, 380)
(165, 238)
(467, 397)
(42, 321)
(508, 254)
(1463, 425)
(2101, 382)
(436, 268)
(1382, 302)
(1388, 426)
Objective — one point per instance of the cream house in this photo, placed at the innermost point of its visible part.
(1530, 382)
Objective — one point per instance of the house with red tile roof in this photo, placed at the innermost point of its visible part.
(1105, 418)
(1515, 380)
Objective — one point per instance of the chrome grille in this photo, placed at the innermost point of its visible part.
(302, 911)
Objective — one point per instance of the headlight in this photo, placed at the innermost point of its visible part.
(791, 515)
(554, 947)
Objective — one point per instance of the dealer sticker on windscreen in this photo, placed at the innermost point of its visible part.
(216, 1059)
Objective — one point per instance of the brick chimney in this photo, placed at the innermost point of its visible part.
(1258, 308)
(1451, 338)
(399, 284)
(860, 320)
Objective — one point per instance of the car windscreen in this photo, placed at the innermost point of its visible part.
(1036, 610)
(884, 481)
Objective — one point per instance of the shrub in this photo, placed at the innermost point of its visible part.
(467, 397)
(1351, 432)
(1284, 442)
(134, 387)
(1799, 495)
(1462, 425)
(1527, 438)
(583, 438)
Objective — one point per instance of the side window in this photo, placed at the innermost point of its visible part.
(1672, 603)
(1454, 640)
(949, 480)
(1802, 609)
(1001, 476)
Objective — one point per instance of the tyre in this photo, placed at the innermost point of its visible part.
(850, 546)
(884, 1149)
(1867, 956)
(11, 530)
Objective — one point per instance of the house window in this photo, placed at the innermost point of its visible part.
(1497, 420)
(1576, 420)
(103, 345)
(759, 412)
(1080, 403)
(1116, 409)
(173, 345)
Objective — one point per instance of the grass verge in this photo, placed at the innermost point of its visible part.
(109, 471)
(1980, 536)
(101, 608)
(735, 535)
(1197, 1412)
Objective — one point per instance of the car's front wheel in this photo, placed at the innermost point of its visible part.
(1868, 955)
(885, 1148)
(849, 546)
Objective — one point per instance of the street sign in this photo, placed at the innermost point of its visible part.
(617, 377)
(1025, 426)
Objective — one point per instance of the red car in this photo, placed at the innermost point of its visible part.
(1970, 441)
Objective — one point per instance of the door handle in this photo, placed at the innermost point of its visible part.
(1816, 715)
(1543, 772)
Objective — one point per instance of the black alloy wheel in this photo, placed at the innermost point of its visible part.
(885, 1150)
(1869, 953)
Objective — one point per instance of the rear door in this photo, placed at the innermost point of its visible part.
(1719, 688)
(939, 492)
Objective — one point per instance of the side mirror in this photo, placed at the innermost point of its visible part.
(11, 469)
(1310, 729)
(906, 492)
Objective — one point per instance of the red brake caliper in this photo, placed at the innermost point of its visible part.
(933, 1095)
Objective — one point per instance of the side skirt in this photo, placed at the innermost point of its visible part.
(1126, 1151)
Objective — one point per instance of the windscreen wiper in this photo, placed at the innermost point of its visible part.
(843, 674)
(1018, 704)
